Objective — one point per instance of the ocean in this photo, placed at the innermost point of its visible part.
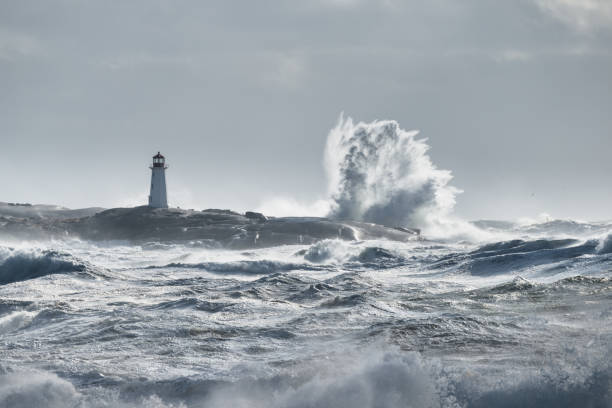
(521, 321)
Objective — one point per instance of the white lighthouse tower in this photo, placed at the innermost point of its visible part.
(158, 198)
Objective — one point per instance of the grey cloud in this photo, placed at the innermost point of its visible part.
(582, 15)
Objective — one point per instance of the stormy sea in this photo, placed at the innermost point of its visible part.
(463, 314)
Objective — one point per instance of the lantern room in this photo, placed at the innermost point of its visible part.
(159, 160)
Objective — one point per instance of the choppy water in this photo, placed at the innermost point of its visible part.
(524, 321)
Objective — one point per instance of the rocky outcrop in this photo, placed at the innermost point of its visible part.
(218, 228)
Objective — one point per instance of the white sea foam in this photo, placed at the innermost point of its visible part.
(375, 379)
(15, 321)
(605, 245)
(35, 388)
(390, 379)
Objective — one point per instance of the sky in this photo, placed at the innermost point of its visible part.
(514, 97)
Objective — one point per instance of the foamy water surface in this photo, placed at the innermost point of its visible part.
(516, 322)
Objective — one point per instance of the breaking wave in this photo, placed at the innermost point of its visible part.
(15, 321)
(380, 173)
(18, 265)
(26, 389)
(605, 245)
(341, 252)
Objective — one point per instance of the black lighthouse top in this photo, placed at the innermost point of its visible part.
(158, 160)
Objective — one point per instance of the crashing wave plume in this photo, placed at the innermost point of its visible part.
(380, 173)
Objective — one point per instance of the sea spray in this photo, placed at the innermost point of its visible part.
(378, 172)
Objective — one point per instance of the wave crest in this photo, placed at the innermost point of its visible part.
(17, 265)
(605, 245)
(26, 389)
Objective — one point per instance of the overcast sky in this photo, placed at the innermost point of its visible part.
(515, 98)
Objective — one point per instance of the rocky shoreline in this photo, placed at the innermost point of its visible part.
(212, 227)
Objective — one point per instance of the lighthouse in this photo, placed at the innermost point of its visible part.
(158, 198)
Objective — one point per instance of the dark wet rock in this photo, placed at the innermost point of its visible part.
(223, 228)
(413, 231)
(251, 215)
